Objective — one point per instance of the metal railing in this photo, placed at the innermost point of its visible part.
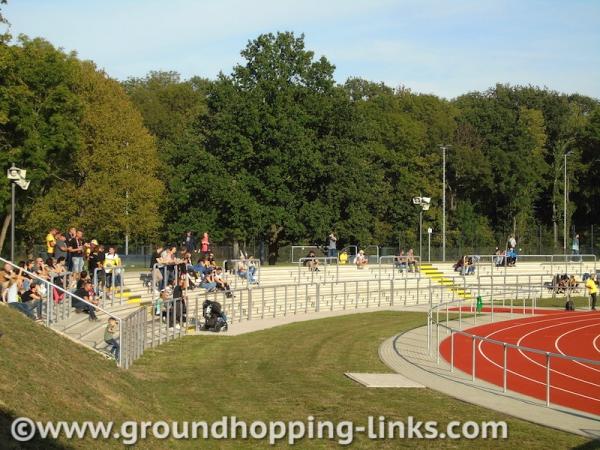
(433, 320)
(246, 263)
(109, 280)
(55, 312)
(303, 249)
(327, 261)
(569, 263)
(398, 264)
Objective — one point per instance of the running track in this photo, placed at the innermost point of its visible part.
(573, 384)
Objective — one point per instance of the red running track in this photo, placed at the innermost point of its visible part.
(573, 384)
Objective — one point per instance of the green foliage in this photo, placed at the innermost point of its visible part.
(276, 151)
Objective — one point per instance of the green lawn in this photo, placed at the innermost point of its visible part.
(286, 373)
(557, 302)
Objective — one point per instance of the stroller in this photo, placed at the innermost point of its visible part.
(214, 317)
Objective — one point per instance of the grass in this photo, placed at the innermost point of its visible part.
(286, 373)
(556, 302)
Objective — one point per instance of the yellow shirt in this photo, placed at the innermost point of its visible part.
(50, 243)
(591, 285)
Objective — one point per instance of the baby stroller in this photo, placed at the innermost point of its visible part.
(214, 317)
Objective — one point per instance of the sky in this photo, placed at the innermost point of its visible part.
(447, 48)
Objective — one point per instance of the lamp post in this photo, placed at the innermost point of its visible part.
(17, 177)
(424, 203)
(565, 206)
(444, 148)
(429, 231)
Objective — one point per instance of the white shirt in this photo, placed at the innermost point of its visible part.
(12, 294)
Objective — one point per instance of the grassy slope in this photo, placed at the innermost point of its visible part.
(285, 373)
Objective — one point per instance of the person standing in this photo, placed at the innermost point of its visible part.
(51, 242)
(205, 245)
(190, 243)
(76, 249)
(60, 249)
(575, 247)
(592, 287)
(332, 247)
(512, 242)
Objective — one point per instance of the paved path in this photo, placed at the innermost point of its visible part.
(407, 354)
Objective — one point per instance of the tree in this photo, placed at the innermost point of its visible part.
(39, 117)
(114, 188)
(267, 122)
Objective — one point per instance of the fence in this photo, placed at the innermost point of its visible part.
(55, 309)
(109, 281)
(433, 320)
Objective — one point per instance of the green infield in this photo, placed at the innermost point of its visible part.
(285, 373)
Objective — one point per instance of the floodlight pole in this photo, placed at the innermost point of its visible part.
(443, 147)
(421, 233)
(12, 221)
(565, 205)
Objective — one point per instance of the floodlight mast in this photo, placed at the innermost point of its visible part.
(16, 177)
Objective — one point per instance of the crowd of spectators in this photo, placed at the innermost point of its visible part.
(64, 270)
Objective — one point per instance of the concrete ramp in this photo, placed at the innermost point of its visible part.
(383, 380)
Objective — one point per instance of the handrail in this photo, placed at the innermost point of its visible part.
(506, 345)
(325, 259)
(50, 300)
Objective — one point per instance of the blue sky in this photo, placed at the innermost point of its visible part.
(433, 46)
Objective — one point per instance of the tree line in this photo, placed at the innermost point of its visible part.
(277, 151)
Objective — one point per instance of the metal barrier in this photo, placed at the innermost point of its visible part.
(303, 249)
(433, 319)
(247, 264)
(555, 262)
(105, 281)
(56, 311)
(326, 260)
(400, 263)
(368, 249)
(163, 269)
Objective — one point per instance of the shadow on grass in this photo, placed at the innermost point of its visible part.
(8, 443)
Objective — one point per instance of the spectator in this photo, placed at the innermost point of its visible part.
(85, 292)
(190, 243)
(460, 264)
(112, 267)
(311, 261)
(332, 247)
(245, 270)
(361, 260)
(179, 303)
(400, 261)
(96, 262)
(343, 257)
(592, 288)
(205, 245)
(72, 234)
(76, 250)
(211, 260)
(411, 261)
(208, 282)
(222, 285)
(32, 299)
(111, 337)
(60, 249)
(575, 248)
(499, 257)
(512, 243)
(51, 242)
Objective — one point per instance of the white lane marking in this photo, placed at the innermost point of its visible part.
(555, 317)
(591, 367)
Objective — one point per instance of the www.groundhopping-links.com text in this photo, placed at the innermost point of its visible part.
(24, 429)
